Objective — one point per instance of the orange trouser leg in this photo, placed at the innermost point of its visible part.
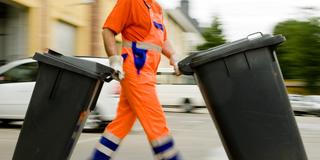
(115, 131)
(138, 100)
(144, 102)
(124, 120)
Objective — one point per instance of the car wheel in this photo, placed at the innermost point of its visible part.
(187, 105)
(5, 122)
(299, 113)
(93, 122)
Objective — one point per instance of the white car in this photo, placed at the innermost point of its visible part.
(178, 91)
(305, 104)
(17, 80)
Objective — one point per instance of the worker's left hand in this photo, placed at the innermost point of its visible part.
(174, 63)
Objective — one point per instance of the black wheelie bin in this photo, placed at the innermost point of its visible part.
(66, 90)
(245, 94)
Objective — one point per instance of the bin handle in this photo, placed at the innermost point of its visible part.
(107, 77)
(255, 35)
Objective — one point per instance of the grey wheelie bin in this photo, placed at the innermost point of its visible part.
(66, 90)
(245, 94)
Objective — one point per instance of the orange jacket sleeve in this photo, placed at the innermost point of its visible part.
(119, 16)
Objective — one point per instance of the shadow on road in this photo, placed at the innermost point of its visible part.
(183, 111)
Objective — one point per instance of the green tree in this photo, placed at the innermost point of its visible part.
(213, 35)
(299, 56)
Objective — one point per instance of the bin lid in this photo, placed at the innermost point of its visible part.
(84, 67)
(242, 45)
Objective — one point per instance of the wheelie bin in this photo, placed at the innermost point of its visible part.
(245, 94)
(65, 92)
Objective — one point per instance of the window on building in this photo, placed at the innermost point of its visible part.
(64, 38)
(13, 32)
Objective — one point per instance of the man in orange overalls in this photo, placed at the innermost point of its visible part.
(144, 39)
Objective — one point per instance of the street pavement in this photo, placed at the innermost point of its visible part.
(194, 134)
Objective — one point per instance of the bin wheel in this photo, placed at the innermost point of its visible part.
(187, 105)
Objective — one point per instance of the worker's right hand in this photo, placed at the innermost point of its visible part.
(116, 62)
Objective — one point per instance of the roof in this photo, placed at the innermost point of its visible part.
(178, 16)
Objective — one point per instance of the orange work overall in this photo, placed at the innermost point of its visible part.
(138, 98)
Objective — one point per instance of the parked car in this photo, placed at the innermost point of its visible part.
(17, 80)
(302, 105)
(178, 91)
(313, 98)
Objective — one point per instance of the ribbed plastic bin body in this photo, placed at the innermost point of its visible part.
(66, 91)
(245, 94)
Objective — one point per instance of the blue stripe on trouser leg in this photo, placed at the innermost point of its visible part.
(140, 56)
(97, 155)
(164, 149)
(106, 142)
(105, 148)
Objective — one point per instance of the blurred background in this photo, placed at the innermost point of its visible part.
(73, 27)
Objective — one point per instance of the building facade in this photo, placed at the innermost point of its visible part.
(28, 26)
(72, 27)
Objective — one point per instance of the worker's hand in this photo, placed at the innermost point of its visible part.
(174, 63)
(116, 62)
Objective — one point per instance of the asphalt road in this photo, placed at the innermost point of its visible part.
(195, 136)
